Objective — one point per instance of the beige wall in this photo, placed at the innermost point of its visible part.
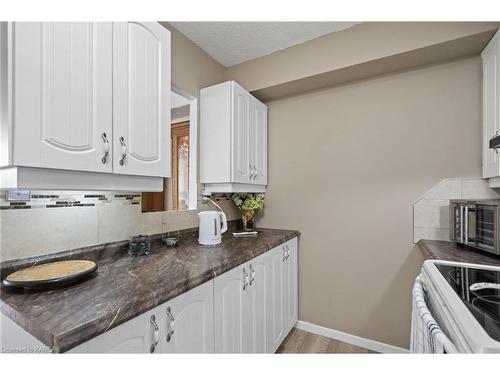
(346, 165)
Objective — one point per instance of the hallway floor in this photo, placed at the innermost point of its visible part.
(299, 341)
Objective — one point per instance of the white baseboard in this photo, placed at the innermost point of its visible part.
(350, 339)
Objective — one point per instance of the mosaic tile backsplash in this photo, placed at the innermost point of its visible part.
(54, 199)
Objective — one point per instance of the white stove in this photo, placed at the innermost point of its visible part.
(464, 299)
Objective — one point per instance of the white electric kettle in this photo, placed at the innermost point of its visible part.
(212, 225)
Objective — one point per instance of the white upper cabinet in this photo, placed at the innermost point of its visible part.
(141, 99)
(241, 130)
(233, 140)
(258, 142)
(85, 97)
(491, 105)
(62, 102)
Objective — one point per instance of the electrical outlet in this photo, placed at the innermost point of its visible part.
(18, 195)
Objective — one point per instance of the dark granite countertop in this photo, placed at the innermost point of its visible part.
(124, 287)
(445, 250)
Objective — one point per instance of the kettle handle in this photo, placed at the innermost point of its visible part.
(223, 222)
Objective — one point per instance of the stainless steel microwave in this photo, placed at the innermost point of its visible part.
(476, 224)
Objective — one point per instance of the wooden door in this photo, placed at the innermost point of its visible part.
(241, 127)
(229, 293)
(274, 299)
(141, 99)
(193, 317)
(491, 106)
(62, 87)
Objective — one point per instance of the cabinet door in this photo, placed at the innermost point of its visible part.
(491, 106)
(274, 298)
(229, 293)
(189, 323)
(133, 336)
(62, 87)
(141, 99)
(242, 101)
(290, 285)
(257, 305)
(258, 142)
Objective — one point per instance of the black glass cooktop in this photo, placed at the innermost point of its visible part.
(479, 290)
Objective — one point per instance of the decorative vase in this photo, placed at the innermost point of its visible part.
(248, 221)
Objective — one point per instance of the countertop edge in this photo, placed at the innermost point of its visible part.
(449, 251)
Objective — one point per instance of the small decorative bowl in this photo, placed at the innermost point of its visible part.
(170, 242)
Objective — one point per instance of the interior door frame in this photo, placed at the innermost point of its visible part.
(193, 146)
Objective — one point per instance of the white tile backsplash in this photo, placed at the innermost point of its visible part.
(431, 211)
(450, 188)
(474, 188)
(430, 234)
(37, 232)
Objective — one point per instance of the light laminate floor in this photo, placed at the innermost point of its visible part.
(299, 341)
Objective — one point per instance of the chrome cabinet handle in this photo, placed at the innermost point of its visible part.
(252, 275)
(156, 334)
(170, 324)
(284, 254)
(124, 150)
(255, 172)
(245, 279)
(251, 171)
(106, 148)
(287, 252)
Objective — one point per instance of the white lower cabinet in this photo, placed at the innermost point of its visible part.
(290, 283)
(229, 307)
(189, 326)
(134, 336)
(275, 298)
(256, 303)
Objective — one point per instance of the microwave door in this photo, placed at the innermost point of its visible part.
(486, 217)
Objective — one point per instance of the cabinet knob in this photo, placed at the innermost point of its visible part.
(156, 333)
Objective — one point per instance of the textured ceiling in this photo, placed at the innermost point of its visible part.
(232, 43)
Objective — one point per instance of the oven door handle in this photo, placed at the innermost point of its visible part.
(480, 286)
